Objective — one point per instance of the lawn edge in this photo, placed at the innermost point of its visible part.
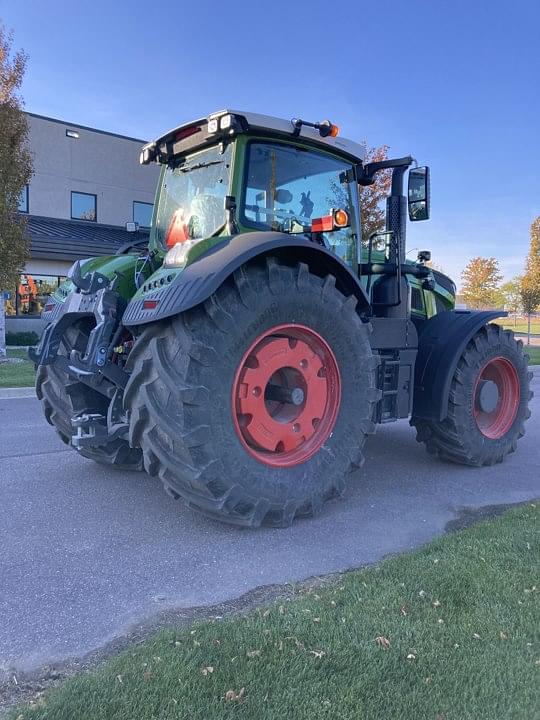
(10, 393)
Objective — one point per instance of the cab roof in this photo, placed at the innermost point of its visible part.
(194, 134)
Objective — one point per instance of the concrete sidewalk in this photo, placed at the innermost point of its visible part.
(22, 392)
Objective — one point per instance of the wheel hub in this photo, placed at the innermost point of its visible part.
(286, 395)
(488, 395)
(279, 393)
(496, 397)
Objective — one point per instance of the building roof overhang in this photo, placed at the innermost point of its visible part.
(70, 240)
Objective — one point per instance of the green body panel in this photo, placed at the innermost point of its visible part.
(170, 273)
(434, 300)
(122, 266)
(154, 280)
(447, 300)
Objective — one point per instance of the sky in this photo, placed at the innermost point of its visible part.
(455, 84)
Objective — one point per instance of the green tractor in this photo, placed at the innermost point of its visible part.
(245, 354)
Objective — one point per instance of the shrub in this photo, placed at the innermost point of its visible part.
(22, 338)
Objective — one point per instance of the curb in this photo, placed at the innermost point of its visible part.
(21, 392)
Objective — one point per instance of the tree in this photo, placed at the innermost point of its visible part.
(481, 279)
(511, 296)
(530, 284)
(15, 171)
(372, 197)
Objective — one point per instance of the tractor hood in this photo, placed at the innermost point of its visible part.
(110, 265)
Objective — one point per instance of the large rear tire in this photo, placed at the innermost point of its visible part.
(255, 406)
(62, 398)
(488, 404)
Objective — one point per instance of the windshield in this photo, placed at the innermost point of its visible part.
(287, 187)
(192, 198)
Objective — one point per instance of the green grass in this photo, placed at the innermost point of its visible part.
(521, 326)
(450, 631)
(23, 375)
(17, 374)
(533, 351)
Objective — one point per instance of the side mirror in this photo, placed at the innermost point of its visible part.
(418, 194)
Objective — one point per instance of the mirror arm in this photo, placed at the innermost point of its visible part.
(397, 180)
(365, 173)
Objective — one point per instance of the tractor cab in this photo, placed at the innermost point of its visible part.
(237, 172)
(241, 172)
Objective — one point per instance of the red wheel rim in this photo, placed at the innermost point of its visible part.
(494, 422)
(286, 395)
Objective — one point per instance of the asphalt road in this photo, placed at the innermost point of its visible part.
(87, 553)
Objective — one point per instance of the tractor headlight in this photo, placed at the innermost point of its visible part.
(177, 255)
(225, 122)
(148, 154)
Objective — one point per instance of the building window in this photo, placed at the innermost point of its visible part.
(142, 213)
(83, 206)
(23, 200)
(31, 294)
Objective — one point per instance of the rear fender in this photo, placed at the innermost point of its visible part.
(177, 291)
(441, 343)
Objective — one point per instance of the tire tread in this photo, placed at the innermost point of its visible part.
(449, 439)
(171, 355)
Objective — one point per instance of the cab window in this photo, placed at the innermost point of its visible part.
(417, 300)
(191, 201)
(287, 187)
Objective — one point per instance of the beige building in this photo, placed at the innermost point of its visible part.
(87, 185)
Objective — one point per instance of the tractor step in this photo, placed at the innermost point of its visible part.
(395, 373)
(91, 430)
(388, 383)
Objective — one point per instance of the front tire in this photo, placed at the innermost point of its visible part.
(62, 398)
(488, 403)
(290, 450)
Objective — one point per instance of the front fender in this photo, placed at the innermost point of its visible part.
(175, 291)
(442, 341)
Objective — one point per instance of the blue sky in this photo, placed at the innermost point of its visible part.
(456, 84)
